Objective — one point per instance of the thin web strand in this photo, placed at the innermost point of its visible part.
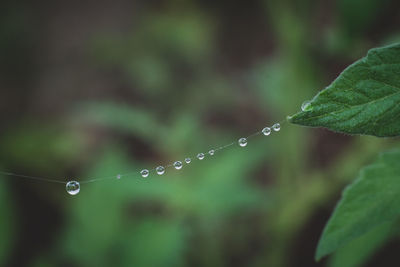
(49, 180)
(135, 173)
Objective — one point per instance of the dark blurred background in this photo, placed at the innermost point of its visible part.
(90, 89)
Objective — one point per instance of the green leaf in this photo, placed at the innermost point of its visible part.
(360, 250)
(364, 99)
(371, 200)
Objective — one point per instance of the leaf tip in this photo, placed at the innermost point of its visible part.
(321, 251)
(293, 118)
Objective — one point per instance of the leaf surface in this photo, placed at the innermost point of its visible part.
(364, 99)
(371, 200)
(360, 250)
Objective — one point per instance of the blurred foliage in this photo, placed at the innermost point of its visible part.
(7, 223)
(176, 79)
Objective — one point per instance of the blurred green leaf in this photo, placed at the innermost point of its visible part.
(40, 146)
(219, 187)
(357, 16)
(150, 72)
(189, 35)
(121, 209)
(124, 118)
(371, 200)
(154, 243)
(105, 226)
(161, 51)
(364, 99)
(360, 250)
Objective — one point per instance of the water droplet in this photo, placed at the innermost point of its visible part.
(188, 160)
(276, 127)
(266, 131)
(160, 170)
(178, 165)
(211, 152)
(306, 105)
(144, 173)
(118, 176)
(73, 187)
(200, 156)
(242, 142)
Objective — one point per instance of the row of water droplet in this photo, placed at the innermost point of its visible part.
(73, 187)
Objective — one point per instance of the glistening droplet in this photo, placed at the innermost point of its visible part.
(118, 176)
(73, 187)
(144, 173)
(211, 152)
(188, 160)
(242, 142)
(200, 156)
(266, 131)
(306, 105)
(160, 170)
(276, 127)
(178, 165)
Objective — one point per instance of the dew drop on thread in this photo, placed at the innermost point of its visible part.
(178, 165)
(266, 131)
(73, 187)
(200, 156)
(188, 160)
(144, 173)
(160, 170)
(211, 152)
(276, 127)
(242, 142)
(306, 105)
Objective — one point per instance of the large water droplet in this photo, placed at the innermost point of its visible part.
(242, 142)
(144, 173)
(276, 127)
(160, 170)
(306, 105)
(200, 156)
(73, 187)
(188, 160)
(211, 152)
(266, 131)
(178, 165)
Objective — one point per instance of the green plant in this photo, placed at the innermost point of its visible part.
(365, 100)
